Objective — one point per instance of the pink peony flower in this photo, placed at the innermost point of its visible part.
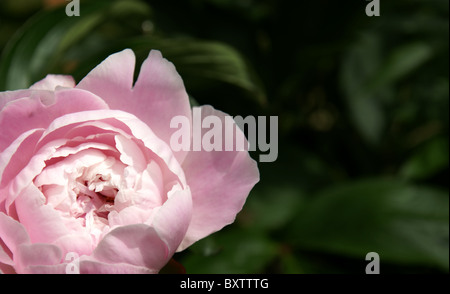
(88, 170)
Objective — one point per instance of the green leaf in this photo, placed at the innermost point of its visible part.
(233, 251)
(428, 160)
(359, 67)
(271, 207)
(401, 62)
(51, 41)
(368, 78)
(28, 55)
(404, 224)
(41, 43)
(369, 117)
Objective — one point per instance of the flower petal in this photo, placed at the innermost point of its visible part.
(4, 257)
(8, 96)
(81, 243)
(220, 183)
(129, 216)
(158, 96)
(40, 109)
(96, 267)
(161, 95)
(119, 119)
(130, 154)
(12, 233)
(42, 222)
(57, 269)
(138, 245)
(173, 229)
(51, 82)
(17, 155)
(113, 80)
(36, 254)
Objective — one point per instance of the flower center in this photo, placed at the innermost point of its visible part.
(94, 191)
(93, 196)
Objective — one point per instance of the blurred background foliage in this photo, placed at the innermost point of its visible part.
(363, 106)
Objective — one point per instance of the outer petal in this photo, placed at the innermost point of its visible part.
(8, 96)
(12, 236)
(36, 255)
(4, 256)
(42, 222)
(96, 267)
(158, 96)
(113, 81)
(162, 96)
(39, 110)
(172, 220)
(137, 245)
(12, 233)
(7, 269)
(51, 82)
(17, 155)
(220, 183)
(56, 269)
(80, 243)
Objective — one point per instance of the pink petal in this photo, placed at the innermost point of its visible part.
(8, 96)
(172, 219)
(4, 256)
(81, 243)
(220, 183)
(96, 267)
(130, 154)
(137, 245)
(6, 261)
(12, 233)
(25, 176)
(158, 96)
(53, 173)
(36, 254)
(52, 81)
(161, 95)
(127, 123)
(42, 222)
(129, 216)
(39, 110)
(17, 155)
(57, 269)
(113, 80)
(7, 269)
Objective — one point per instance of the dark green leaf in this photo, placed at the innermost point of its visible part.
(230, 252)
(428, 160)
(40, 44)
(359, 68)
(402, 223)
(401, 62)
(270, 208)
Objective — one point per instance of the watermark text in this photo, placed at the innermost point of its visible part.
(215, 133)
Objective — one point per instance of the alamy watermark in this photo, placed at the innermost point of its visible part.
(373, 267)
(73, 263)
(73, 8)
(213, 133)
(373, 8)
(73, 267)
